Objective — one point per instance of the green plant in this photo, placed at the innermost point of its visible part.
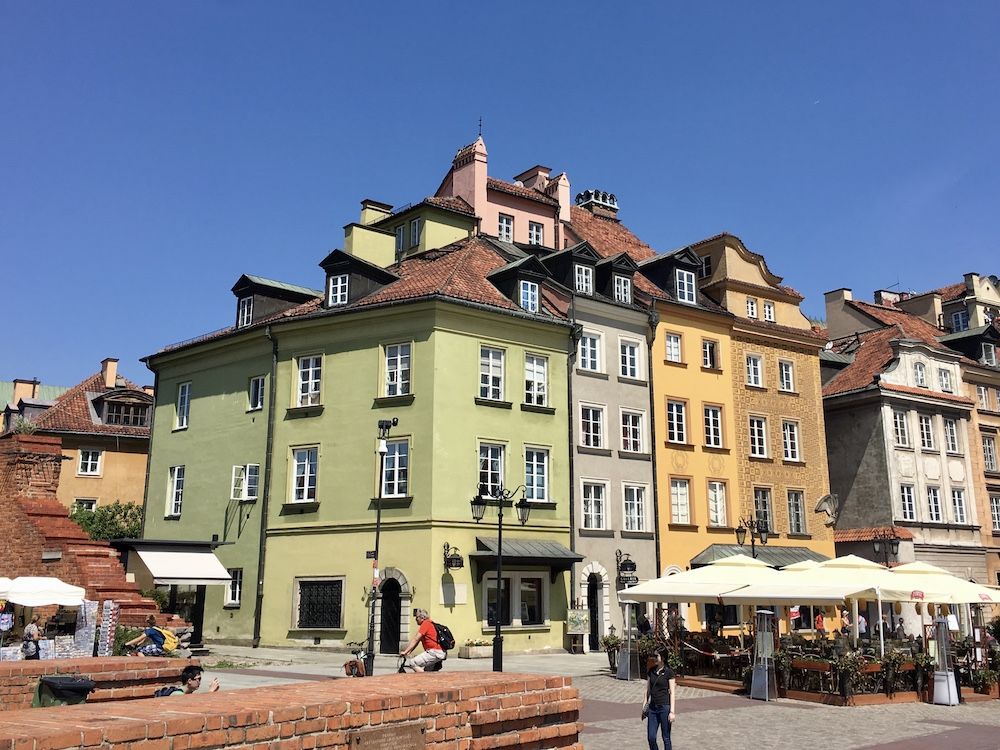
(924, 661)
(115, 521)
(122, 636)
(849, 667)
(477, 642)
(675, 661)
(226, 664)
(611, 643)
(782, 661)
(157, 595)
(893, 660)
(24, 426)
(646, 646)
(984, 678)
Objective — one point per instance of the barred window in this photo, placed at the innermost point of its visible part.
(320, 603)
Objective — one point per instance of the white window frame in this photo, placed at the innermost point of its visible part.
(536, 233)
(755, 370)
(337, 290)
(306, 491)
(796, 511)
(398, 358)
(492, 363)
(492, 465)
(592, 426)
(234, 588)
(763, 506)
(952, 443)
(400, 238)
(716, 494)
(995, 511)
(244, 313)
(90, 462)
(712, 417)
(920, 374)
(396, 468)
(310, 380)
(634, 506)
(757, 426)
(958, 506)
(416, 226)
(623, 289)
(182, 407)
(535, 491)
(673, 347)
(769, 311)
(752, 308)
(241, 487)
(944, 380)
(710, 354)
(900, 428)
(677, 422)
(983, 396)
(934, 504)
(989, 453)
(256, 393)
(633, 431)
(790, 443)
(926, 427)
(505, 228)
(528, 295)
(960, 321)
(630, 364)
(786, 376)
(589, 352)
(989, 354)
(686, 286)
(85, 503)
(583, 276)
(680, 500)
(536, 378)
(594, 516)
(908, 502)
(175, 490)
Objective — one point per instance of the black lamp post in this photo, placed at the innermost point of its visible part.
(384, 425)
(886, 543)
(498, 498)
(758, 530)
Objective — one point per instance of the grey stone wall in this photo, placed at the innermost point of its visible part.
(858, 472)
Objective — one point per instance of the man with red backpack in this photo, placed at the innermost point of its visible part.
(427, 636)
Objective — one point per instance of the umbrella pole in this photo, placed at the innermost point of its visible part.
(854, 623)
(881, 633)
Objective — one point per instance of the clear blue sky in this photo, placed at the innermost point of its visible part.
(151, 153)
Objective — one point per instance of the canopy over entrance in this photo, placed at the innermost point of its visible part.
(184, 567)
(776, 557)
(543, 553)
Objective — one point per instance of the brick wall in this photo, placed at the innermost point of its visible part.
(469, 711)
(118, 678)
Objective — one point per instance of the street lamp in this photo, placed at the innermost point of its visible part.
(384, 425)
(498, 497)
(885, 542)
(758, 530)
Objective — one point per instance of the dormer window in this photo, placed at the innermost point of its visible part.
(244, 315)
(684, 283)
(944, 380)
(623, 289)
(705, 270)
(752, 307)
(769, 312)
(584, 279)
(989, 354)
(960, 320)
(529, 296)
(920, 375)
(126, 413)
(337, 294)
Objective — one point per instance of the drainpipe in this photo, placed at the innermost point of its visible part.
(149, 455)
(262, 543)
(575, 332)
(654, 319)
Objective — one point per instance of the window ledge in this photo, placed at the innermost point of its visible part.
(248, 501)
(930, 451)
(671, 363)
(637, 535)
(604, 533)
(992, 474)
(799, 536)
(955, 454)
(172, 518)
(789, 462)
(632, 381)
(586, 450)
(682, 527)
(715, 449)
(629, 455)
(542, 505)
(254, 409)
(712, 370)
(491, 402)
(751, 387)
(908, 448)
(295, 412)
(289, 508)
(180, 429)
(490, 629)
(592, 374)
(761, 459)
(231, 606)
(788, 393)
(538, 409)
(404, 400)
(390, 503)
(679, 446)
(721, 529)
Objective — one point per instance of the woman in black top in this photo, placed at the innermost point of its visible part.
(659, 706)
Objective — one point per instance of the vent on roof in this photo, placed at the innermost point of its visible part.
(601, 198)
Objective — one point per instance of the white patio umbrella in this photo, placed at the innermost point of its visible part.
(705, 584)
(34, 591)
(920, 581)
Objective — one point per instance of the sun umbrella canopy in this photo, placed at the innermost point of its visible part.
(920, 581)
(33, 591)
(704, 584)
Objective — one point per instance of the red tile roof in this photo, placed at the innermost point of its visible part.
(520, 191)
(870, 534)
(926, 392)
(911, 325)
(72, 411)
(763, 325)
(459, 205)
(607, 236)
(870, 358)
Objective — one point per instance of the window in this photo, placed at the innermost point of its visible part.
(520, 593)
(397, 370)
(786, 376)
(758, 437)
(790, 440)
(234, 589)
(983, 396)
(908, 503)
(491, 602)
(632, 440)
(709, 354)
(246, 481)
(716, 503)
(535, 236)
(951, 436)
(85, 503)
(590, 352)
(680, 501)
(995, 511)
(535, 379)
(755, 371)
(944, 380)
(593, 505)
(958, 505)
(182, 409)
(920, 374)
(255, 393)
(338, 290)
(175, 490)
(934, 504)
(505, 229)
(126, 413)
(400, 238)
(960, 320)
(310, 376)
(90, 462)
(762, 507)
(676, 422)
(926, 432)
(306, 469)
(769, 312)
(635, 508)
(796, 512)
(415, 232)
(320, 604)
(989, 354)
(685, 285)
(244, 316)
(673, 352)
(491, 373)
(396, 468)
(629, 359)
(584, 279)
(751, 307)
(900, 432)
(529, 296)
(530, 601)
(623, 289)
(989, 453)
(491, 458)
(592, 426)
(713, 426)
(705, 270)
(536, 474)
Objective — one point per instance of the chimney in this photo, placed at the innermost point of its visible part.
(887, 298)
(373, 211)
(559, 189)
(109, 371)
(468, 174)
(24, 389)
(599, 203)
(536, 178)
(148, 390)
(971, 282)
(839, 322)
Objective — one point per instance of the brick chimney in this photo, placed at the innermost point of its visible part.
(599, 203)
(25, 389)
(109, 371)
(468, 174)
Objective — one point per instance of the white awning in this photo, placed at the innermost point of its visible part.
(31, 591)
(184, 568)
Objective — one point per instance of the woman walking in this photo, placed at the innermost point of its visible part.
(658, 709)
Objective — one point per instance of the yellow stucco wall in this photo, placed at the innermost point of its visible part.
(121, 472)
(984, 486)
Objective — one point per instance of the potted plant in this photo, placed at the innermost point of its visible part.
(849, 667)
(611, 643)
(475, 648)
(675, 662)
(892, 664)
(646, 647)
(923, 663)
(983, 680)
(782, 667)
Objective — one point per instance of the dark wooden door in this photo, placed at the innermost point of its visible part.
(388, 642)
(594, 605)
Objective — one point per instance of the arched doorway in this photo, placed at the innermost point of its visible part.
(392, 610)
(594, 585)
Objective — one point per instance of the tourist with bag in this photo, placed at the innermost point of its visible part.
(29, 641)
(426, 636)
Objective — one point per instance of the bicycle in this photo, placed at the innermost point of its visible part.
(356, 667)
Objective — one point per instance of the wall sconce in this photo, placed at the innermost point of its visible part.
(452, 560)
